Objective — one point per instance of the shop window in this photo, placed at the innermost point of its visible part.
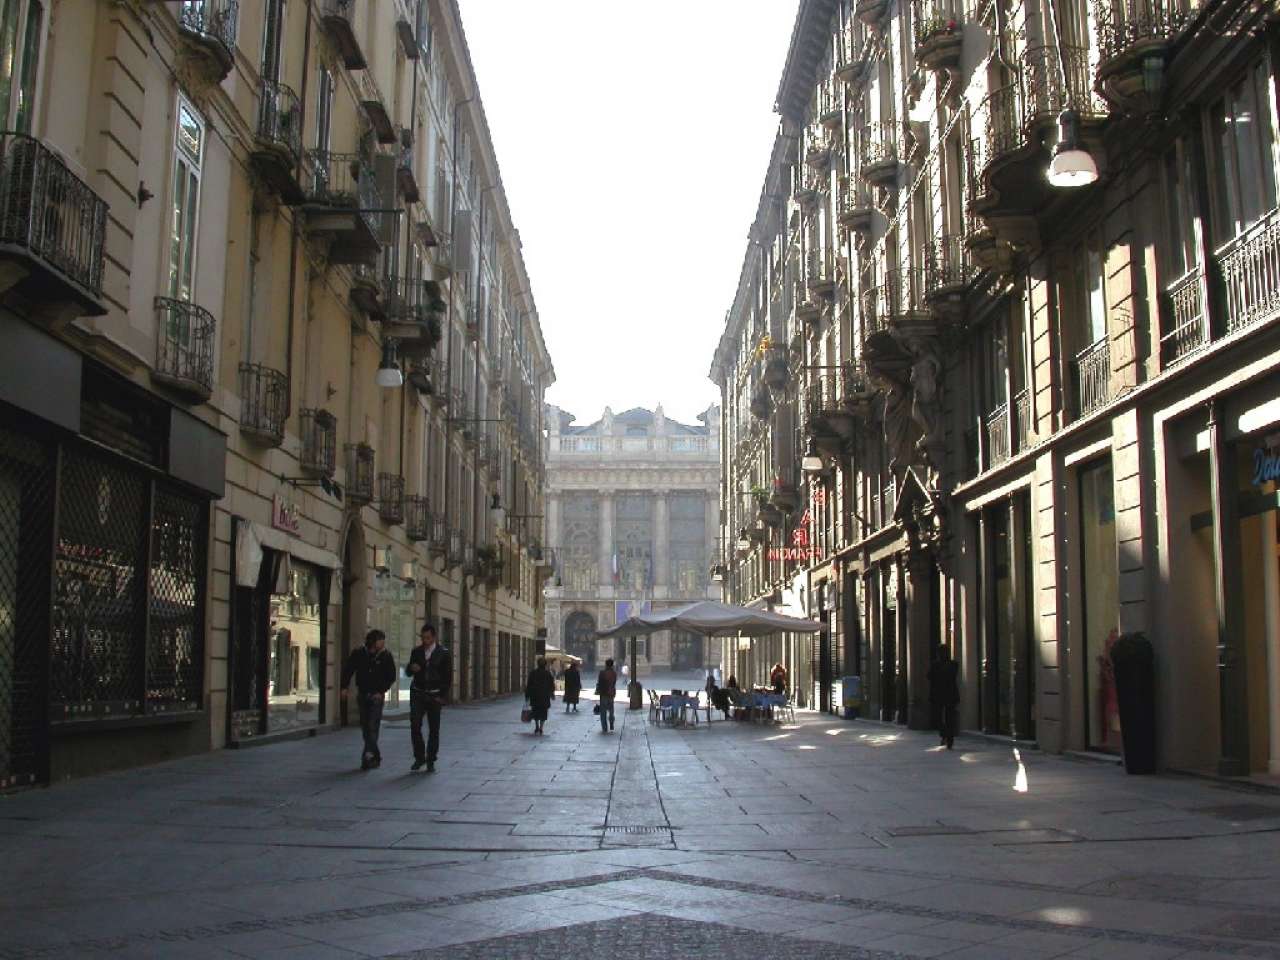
(1099, 579)
(392, 612)
(293, 691)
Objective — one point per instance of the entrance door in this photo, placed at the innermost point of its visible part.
(580, 638)
(686, 652)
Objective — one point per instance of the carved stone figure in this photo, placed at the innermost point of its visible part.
(925, 406)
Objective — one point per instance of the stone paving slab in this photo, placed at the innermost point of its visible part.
(824, 837)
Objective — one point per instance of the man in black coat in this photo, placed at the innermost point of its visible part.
(375, 671)
(432, 672)
(572, 687)
(944, 694)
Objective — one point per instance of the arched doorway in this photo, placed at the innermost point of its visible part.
(355, 600)
(580, 637)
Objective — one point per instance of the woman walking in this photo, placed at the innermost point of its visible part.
(572, 687)
(540, 690)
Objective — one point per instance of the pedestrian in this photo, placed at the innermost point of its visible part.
(606, 690)
(778, 678)
(944, 694)
(710, 685)
(432, 672)
(374, 670)
(572, 687)
(540, 690)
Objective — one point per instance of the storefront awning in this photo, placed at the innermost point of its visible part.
(252, 537)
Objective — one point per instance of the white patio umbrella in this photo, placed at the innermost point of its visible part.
(711, 619)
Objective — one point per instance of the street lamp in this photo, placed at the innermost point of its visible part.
(812, 462)
(389, 374)
(1071, 166)
(496, 509)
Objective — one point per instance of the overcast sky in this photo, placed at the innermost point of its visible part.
(633, 140)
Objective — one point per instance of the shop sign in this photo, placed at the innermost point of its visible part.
(1266, 466)
(793, 553)
(284, 515)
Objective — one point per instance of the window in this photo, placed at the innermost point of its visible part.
(324, 108)
(1242, 147)
(1086, 301)
(1181, 253)
(272, 48)
(21, 23)
(188, 148)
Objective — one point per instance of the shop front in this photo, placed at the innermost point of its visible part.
(105, 495)
(280, 652)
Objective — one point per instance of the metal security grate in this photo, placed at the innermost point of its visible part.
(99, 586)
(176, 647)
(636, 829)
(26, 539)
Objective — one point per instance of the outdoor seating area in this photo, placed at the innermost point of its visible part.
(680, 708)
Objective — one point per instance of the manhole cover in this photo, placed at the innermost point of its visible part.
(929, 830)
(1246, 926)
(1240, 811)
(633, 829)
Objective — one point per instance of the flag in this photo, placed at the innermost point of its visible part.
(616, 572)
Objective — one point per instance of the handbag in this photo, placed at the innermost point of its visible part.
(596, 709)
(526, 714)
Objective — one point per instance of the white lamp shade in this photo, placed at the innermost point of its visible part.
(812, 463)
(1072, 168)
(389, 377)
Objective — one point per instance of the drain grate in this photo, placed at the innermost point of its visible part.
(635, 829)
(928, 830)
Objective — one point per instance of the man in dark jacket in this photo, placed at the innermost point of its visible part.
(572, 687)
(432, 672)
(944, 694)
(375, 671)
(540, 690)
(606, 690)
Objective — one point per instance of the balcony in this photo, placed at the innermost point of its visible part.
(808, 305)
(828, 106)
(817, 151)
(341, 205)
(996, 430)
(359, 463)
(278, 144)
(437, 536)
(391, 498)
(871, 12)
(1183, 308)
(368, 291)
(1091, 373)
(850, 61)
(184, 348)
(407, 33)
(319, 432)
(939, 34)
(777, 372)
(857, 209)
(879, 160)
(1021, 421)
(405, 178)
(1250, 269)
(456, 553)
(948, 273)
(761, 404)
(820, 275)
(52, 230)
(896, 304)
(374, 106)
(338, 18)
(264, 403)
(1134, 36)
(208, 31)
(407, 310)
(417, 518)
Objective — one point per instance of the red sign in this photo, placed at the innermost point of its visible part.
(793, 553)
(284, 515)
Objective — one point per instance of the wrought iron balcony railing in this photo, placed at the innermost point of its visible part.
(996, 424)
(1002, 122)
(948, 264)
(319, 430)
(212, 24)
(264, 402)
(280, 119)
(360, 462)
(184, 347)
(51, 216)
(1021, 420)
(934, 18)
(1125, 24)
(438, 536)
(1250, 268)
(1045, 97)
(1092, 372)
(417, 517)
(391, 498)
(879, 144)
(1183, 303)
(344, 180)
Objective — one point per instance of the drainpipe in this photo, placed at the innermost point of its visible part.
(294, 223)
(453, 209)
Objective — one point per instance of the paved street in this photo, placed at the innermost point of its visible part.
(820, 839)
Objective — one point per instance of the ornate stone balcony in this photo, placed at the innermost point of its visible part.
(339, 19)
(278, 142)
(938, 33)
(948, 272)
(208, 31)
(879, 162)
(819, 275)
(857, 209)
(1134, 38)
(52, 230)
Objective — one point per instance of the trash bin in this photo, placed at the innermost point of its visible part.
(1133, 663)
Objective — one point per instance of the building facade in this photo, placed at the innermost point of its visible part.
(269, 354)
(967, 405)
(633, 517)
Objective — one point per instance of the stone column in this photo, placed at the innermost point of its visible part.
(922, 582)
(715, 553)
(1233, 688)
(552, 530)
(661, 540)
(605, 556)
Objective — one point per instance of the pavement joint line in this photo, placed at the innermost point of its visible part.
(1176, 941)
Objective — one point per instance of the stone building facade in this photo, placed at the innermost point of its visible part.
(1034, 417)
(633, 519)
(269, 352)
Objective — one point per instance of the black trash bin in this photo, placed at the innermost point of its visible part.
(1133, 661)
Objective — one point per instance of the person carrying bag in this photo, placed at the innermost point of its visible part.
(606, 690)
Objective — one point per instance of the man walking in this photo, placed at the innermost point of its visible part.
(944, 694)
(606, 690)
(432, 672)
(375, 671)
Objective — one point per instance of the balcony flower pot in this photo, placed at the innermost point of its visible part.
(776, 371)
(786, 497)
(760, 406)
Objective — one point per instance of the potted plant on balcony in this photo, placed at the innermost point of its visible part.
(786, 497)
(760, 405)
(776, 371)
